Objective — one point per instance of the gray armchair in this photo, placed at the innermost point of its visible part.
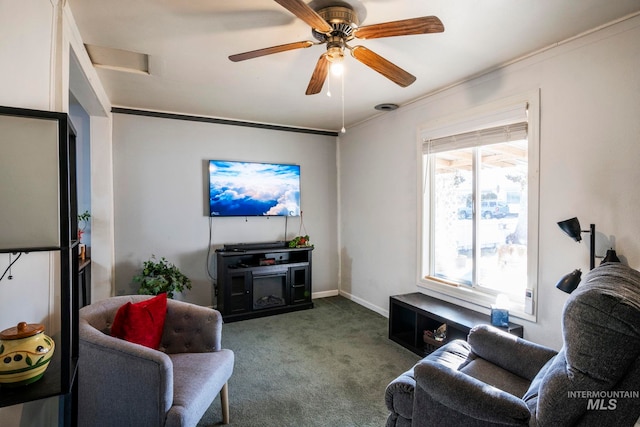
(121, 383)
(461, 372)
(497, 379)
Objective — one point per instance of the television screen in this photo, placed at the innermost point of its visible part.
(253, 189)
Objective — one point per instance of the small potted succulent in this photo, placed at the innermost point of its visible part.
(160, 276)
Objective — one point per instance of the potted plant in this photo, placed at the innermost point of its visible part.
(300, 242)
(160, 276)
(83, 221)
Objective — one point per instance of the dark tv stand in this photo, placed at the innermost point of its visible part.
(262, 279)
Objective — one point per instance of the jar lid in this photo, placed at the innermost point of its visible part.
(22, 330)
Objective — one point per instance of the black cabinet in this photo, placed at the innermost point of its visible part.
(38, 181)
(255, 280)
(84, 282)
(410, 315)
(300, 284)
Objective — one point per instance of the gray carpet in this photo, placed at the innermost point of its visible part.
(327, 366)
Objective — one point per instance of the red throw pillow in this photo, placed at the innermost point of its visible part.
(142, 322)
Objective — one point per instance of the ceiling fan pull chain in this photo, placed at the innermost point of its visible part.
(343, 130)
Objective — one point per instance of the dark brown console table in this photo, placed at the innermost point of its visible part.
(84, 282)
(256, 280)
(411, 314)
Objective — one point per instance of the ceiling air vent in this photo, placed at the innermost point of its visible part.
(386, 107)
(118, 59)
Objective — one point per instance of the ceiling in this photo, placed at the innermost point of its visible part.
(188, 43)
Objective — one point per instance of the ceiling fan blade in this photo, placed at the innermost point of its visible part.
(406, 27)
(305, 13)
(319, 75)
(381, 65)
(270, 50)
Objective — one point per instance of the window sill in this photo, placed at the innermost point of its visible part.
(474, 299)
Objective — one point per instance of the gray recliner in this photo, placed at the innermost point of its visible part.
(126, 384)
(496, 379)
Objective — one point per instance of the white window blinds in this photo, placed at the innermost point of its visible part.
(506, 133)
(507, 124)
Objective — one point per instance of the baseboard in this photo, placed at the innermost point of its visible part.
(366, 304)
(334, 293)
(324, 294)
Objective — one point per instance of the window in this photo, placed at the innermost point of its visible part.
(479, 204)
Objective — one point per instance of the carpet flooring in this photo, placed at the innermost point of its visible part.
(327, 366)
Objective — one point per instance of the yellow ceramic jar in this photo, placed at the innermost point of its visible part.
(25, 353)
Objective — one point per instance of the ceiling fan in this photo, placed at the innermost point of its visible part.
(337, 25)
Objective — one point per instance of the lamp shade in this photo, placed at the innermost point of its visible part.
(570, 281)
(572, 228)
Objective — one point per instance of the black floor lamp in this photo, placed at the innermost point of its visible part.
(572, 227)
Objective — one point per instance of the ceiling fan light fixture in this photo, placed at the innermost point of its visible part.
(335, 55)
(337, 68)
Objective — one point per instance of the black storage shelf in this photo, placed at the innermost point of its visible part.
(59, 379)
(50, 385)
(412, 314)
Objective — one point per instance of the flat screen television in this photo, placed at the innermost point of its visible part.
(253, 189)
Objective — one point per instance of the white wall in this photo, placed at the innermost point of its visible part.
(81, 123)
(27, 82)
(160, 200)
(85, 87)
(26, 79)
(589, 155)
(34, 59)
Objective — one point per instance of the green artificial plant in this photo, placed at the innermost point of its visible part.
(83, 221)
(161, 276)
(300, 241)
